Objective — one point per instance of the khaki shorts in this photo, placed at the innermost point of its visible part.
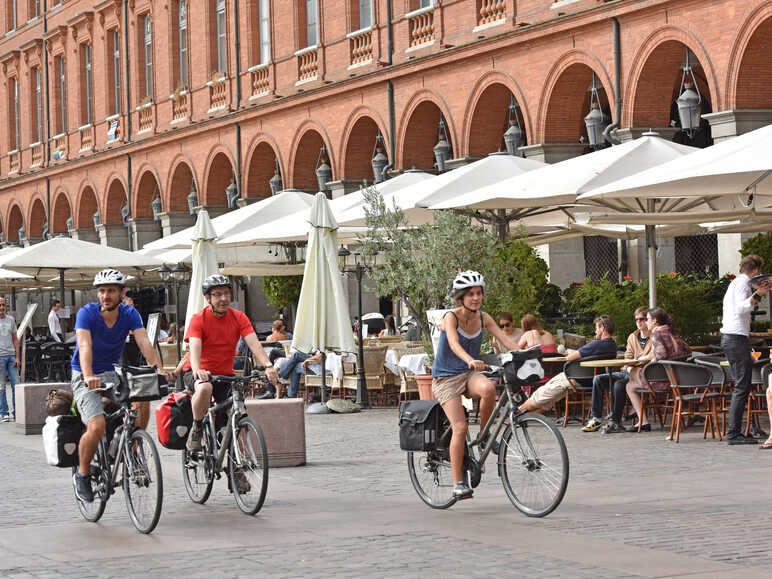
(446, 388)
(546, 396)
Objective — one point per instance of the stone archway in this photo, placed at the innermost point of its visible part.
(260, 171)
(147, 190)
(88, 207)
(420, 137)
(357, 162)
(490, 121)
(754, 77)
(61, 213)
(15, 222)
(115, 200)
(305, 160)
(180, 187)
(217, 181)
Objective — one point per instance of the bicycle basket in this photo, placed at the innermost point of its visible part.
(419, 424)
(522, 367)
(141, 383)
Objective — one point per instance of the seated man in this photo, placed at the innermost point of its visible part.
(545, 397)
(296, 366)
(638, 344)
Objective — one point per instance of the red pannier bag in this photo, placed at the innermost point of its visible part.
(173, 419)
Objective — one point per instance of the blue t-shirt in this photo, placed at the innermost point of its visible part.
(106, 343)
(604, 347)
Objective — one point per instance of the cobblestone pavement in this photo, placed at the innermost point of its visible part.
(636, 505)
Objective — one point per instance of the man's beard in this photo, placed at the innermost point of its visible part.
(112, 309)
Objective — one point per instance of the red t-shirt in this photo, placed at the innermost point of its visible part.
(219, 337)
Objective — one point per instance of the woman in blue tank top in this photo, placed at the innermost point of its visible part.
(457, 366)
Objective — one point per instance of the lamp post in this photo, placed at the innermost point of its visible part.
(442, 148)
(323, 170)
(275, 182)
(175, 276)
(595, 121)
(689, 101)
(362, 263)
(379, 161)
(514, 133)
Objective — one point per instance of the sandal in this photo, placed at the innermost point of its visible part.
(767, 445)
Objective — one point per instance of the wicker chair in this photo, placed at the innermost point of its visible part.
(375, 356)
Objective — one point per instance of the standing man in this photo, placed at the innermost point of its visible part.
(101, 328)
(9, 362)
(54, 326)
(739, 301)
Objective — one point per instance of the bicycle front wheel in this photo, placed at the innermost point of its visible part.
(431, 477)
(248, 466)
(100, 482)
(533, 464)
(143, 482)
(198, 469)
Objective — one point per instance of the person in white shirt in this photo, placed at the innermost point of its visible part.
(739, 301)
(54, 326)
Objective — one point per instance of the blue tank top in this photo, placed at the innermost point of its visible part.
(446, 363)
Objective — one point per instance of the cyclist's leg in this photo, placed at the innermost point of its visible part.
(202, 396)
(480, 387)
(91, 413)
(457, 417)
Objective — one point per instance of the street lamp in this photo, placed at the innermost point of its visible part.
(362, 263)
(176, 276)
(442, 148)
(379, 161)
(232, 193)
(689, 101)
(323, 170)
(275, 183)
(595, 121)
(192, 199)
(514, 133)
(68, 224)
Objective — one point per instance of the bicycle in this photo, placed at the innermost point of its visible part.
(134, 456)
(247, 460)
(532, 455)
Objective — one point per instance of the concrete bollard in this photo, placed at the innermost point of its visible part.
(283, 424)
(30, 405)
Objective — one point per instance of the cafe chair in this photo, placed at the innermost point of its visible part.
(580, 392)
(721, 384)
(692, 396)
(55, 359)
(757, 397)
(32, 363)
(656, 394)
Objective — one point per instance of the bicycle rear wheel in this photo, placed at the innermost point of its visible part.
(198, 469)
(248, 466)
(143, 482)
(100, 482)
(431, 477)
(533, 465)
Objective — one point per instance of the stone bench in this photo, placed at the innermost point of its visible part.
(283, 424)
(30, 405)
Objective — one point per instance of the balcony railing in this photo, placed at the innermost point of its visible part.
(179, 105)
(59, 147)
(361, 46)
(86, 137)
(217, 93)
(308, 63)
(36, 151)
(14, 158)
(145, 117)
(421, 25)
(491, 11)
(260, 78)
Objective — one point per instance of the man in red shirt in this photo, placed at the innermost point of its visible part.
(213, 334)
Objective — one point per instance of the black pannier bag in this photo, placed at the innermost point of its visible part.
(522, 367)
(61, 435)
(419, 424)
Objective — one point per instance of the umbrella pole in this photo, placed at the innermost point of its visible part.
(61, 285)
(324, 377)
(651, 247)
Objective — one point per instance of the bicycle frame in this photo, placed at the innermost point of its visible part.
(236, 404)
(124, 452)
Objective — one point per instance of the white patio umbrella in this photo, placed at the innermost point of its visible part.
(296, 226)
(204, 263)
(413, 201)
(322, 319)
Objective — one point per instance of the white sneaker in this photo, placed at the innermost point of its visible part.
(5, 418)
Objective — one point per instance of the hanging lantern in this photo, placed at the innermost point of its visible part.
(595, 121)
(442, 148)
(323, 170)
(275, 182)
(379, 161)
(232, 193)
(192, 199)
(514, 134)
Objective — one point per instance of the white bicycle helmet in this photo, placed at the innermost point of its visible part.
(467, 279)
(214, 281)
(109, 277)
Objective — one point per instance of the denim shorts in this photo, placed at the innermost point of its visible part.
(89, 402)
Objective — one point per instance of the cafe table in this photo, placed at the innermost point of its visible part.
(609, 365)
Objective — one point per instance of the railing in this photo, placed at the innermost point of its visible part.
(421, 26)
(491, 11)
(59, 148)
(86, 137)
(14, 159)
(261, 83)
(36, 150)
(145, 117)
(180, 105)
(308, 63)
(361, 46)
(217, 93)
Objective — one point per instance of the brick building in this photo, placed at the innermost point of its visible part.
(115, 109)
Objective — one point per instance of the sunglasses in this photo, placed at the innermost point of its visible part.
(506, 324)
(640, 319)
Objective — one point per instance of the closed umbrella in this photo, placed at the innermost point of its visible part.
(322, 320)
(204, 263)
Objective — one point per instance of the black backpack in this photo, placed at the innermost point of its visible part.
(419, 424)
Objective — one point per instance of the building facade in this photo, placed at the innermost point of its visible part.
(121, 114)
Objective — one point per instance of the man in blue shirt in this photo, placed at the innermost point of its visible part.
(101, 328)
(545, 397)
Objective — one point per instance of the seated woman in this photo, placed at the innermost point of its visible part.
(507, 324)
(390, 329)
(535, 335)
(277, 332)
(666, 344)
